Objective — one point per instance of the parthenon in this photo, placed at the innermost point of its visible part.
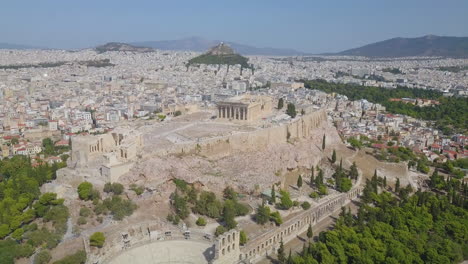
(245, 108)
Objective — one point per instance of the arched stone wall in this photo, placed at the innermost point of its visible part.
(269, 242)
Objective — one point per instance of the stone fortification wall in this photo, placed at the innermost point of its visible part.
(260, 139)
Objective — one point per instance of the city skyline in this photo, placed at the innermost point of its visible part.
(307, 27)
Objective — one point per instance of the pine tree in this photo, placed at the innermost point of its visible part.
(385, 181)
(280, 103)
(333, 158)
(273, 194)
(310, 233)
(312, 176)
(290, 261)
(229, 213)
(323, 142)
(353, 172)
(281, 254)
(397, 185)
(291, 110)
(319, 179)
(299, 182)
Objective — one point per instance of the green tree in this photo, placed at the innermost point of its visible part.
(43, 257)
(18, 234)
(276, 218)
(4, 230)
(291, 110)
(220, 230)
(97, 239)
(397, 185)
(201, 221)
(77, 258)
(353, 172)
(263, 214)
(273, 194)
(289, 260)
(333, 158)
(180, 205)
(229, 213)
(323, 141)
(281, 254)
(85, 190)
(312, 176)
(305, 205)
(280, 103)
(319, 179)
(310, 233)
(299, 182)
(286, 201)
(242, 238)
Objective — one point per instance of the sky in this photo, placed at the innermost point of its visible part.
(304, 25)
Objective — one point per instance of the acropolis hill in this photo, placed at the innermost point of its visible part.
(244, 143)
(243, 125)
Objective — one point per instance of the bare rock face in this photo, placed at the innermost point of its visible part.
(221, 49)
(243, 170)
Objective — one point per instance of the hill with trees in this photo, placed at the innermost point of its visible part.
(116, 46)
(451, 115)
(221, 54)
(395, 227)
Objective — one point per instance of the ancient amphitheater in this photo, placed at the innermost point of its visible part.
(146, 243)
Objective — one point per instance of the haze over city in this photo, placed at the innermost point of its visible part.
(307, 26)
(241, 132)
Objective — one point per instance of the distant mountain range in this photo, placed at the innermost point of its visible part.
(430, 45)
(17, 46)
(202, 45)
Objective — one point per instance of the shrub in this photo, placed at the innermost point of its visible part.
(305, 205)
(276, 218)
(18, 234)
(97, 239)
(82, 221)
(85, 212)
(77, 258)
(119, 207)
(242, 238)
(313, 195)
(220, 230)
(137, 189)
(263, 214)
(117, 188)
(322, 190)
(286, 201)
(42, 257)
(84, 190)
(201, 221)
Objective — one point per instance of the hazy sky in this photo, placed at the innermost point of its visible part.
(306, 25)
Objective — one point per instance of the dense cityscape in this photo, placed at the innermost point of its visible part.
(204, 151)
